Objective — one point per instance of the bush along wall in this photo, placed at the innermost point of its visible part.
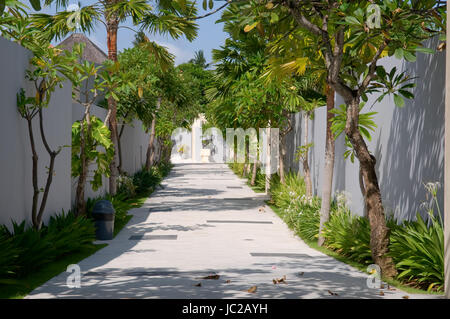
(417, 247)
(25, 250)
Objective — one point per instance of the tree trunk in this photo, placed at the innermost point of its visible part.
(379, 232)
(35, 159)
(306, 170)
(151, 148)
(328, 167)
(254, 170)
(112, 24)
(268, 160)
(249, 169)
(80, 205)
(282, 146)
(53, 155)
(119, 147)
(282, 157)
(362, 188)
(246, 159)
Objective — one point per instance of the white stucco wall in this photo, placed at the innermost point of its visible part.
(15, 154)
(408, 142)
(15, 160)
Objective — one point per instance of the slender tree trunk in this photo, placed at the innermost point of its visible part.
(151, 147)
(249, 169)
(52, 155)
(119, 147)
(362, 188)
(306, 170)
(112, 24)
(247, 159)
(328, 167)
(34, 173)
(283, 150)
(80, 202)
(379, 232)
(79, 196)
(268, 159)
(254, 171)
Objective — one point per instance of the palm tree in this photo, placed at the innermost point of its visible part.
(199, 59)
(174, 18)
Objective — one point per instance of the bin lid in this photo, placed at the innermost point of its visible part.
(103, 207)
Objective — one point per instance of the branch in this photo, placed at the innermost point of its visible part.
(372, 68)
(212, 12)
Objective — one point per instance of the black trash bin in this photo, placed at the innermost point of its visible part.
(103, 214)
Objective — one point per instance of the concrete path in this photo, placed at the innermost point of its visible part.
(207, 222)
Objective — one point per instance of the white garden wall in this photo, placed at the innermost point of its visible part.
(15, 160)
(408, 143)
(15, 154)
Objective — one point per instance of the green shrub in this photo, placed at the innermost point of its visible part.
(126, 186)
(121, 206)
(237, 168)
(349, 235)
(35, 250)
(298, 211)
(144, 180)
(418, 252)
(9, 254)
(68, 233)
(30, 249)
(304, 217)
(283, 194)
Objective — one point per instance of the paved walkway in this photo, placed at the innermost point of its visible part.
(204, 222)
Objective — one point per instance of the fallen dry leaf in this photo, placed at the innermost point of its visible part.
(279, 281)
(332, 293)
(228, 281)
(214, 277)
(198, 285)
(252, 289)
(405, 297)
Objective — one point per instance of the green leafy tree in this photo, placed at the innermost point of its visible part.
(90, 136)
(199, 59)
(50, 68)
(165, 17)
(350, 48)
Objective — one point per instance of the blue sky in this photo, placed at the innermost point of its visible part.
(210, 36)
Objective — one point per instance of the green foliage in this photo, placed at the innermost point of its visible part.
(9, 254)
(28, 249)
(302, 151)
(69, 233)
(418, 252)
(417, 247)
(365, 125)
(283, 194)
(126, 186)
(301, 213)
(144, 180)
(98, 148)
(171, 17)
(349, 235)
